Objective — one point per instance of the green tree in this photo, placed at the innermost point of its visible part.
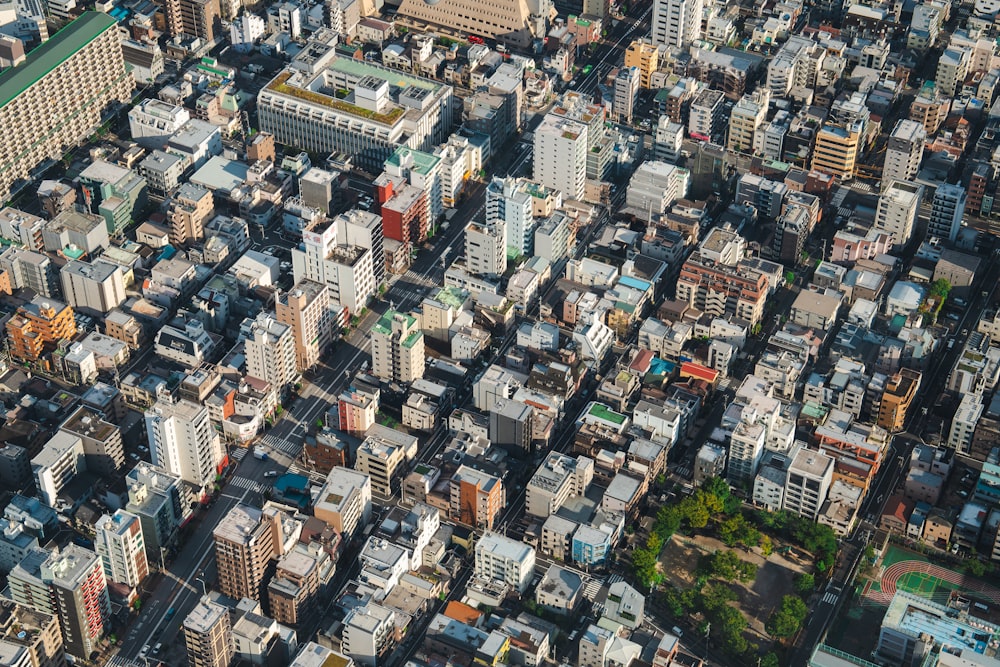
(769, 660)
(805, 584)
(787, 620)
(766, 546)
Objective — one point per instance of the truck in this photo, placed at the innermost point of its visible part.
(260, 453)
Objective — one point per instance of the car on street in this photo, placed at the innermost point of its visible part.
(144, 651)
(270, 474)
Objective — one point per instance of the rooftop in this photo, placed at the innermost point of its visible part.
(239, 524)
(204, 617)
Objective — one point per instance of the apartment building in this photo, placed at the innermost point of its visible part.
(189, 209)
(836, 150)
(92, 288)
(963, 424)
(61, 91)
(421, 170)
(897, 397)
(516, 203)
(706, 118)
(153, 121)
(718, 289)
(514, 24)
(301, 573)
(486, 248)
(645, 57)
(952, 68)
(807, 483)
(903, 151)
(627, 85)
(208, 635)
(68, 583)
(183, 441)
(397, 348)
(476, 497)
(37, 328)
(947, 209)
(348, 270)
(345, 501)
(930, 107)
(119, 543)
(382, 110)
(356, 409)
(560, 155)
(746, 118)
(557, 479)
(102, 440)
(244, 546)
(157, 497)
(270, 352)
(676, 23)
(369, 633)
(33, 636)
(383, 457)
(306, 309)
(503, 560)
(897, 210)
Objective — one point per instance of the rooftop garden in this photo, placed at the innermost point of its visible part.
(280, 86)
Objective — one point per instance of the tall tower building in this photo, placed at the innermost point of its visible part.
(903, 151)
(897, 210)
(306, 309)
(746, 117)
(208, 635)
(486, 248)
(560, 155)
(270, 352)
(120, 545)
(182, 440)
(68, 583)
(947, 209)
(676, 23)
(244, 545)
(626, 91)
(397, 348)
(509, 202)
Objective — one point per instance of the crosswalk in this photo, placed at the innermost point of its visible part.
(830, 598)
(238, 454)
(276, 444)
(591, 588)
(246, 484)
(859, 186)
(614, 578)
(121, 661)
(414, 277)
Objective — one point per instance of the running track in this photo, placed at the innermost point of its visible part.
(892, 574)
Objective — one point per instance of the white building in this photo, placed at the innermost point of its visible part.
(556, 480)
(560, 155)
(119, 543)
(183, 441)
(270, 351)
(963, 424)
(57, 464)
(897, 210)
(501, 559)
(345, 501)
(807, 483)
(397, 348)
(904, 151)
(655, 186)
(154, 121)
(626, 92)
(348, 270)
(93, 288)
(486, 248)
(594, 338)
(676, 23)
(947, 209)
(368, 632)
(746, 117)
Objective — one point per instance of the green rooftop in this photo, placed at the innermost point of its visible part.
(602, 411)
(451, 296)
(422, 163)
(53, 53)
(412, 339)
(361, 68)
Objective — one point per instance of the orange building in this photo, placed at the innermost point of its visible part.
(37, 328)
(476, 497)
(899, 393)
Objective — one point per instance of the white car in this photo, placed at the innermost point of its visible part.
(270, 473)
(144, 651)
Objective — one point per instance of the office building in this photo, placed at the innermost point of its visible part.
(382, 456)
(627, 85)
(244, 546)
(153, 121)
(345, 501)
(913, 626)
(903, 151)
(676, 23)
(306, 309)
(897, 210)
(556, 480)
(397, 348)
(38, 327)
(68, 583)
(516, 203)
(807, 483)
(486, 248)
(947, 209)
(644, 56)
(183, 441)
(516, 24)
(560, 155)
(93, 288)
(369, 633)
(208, 635)
(59, 94)
(119, 543)
(836, 150)
(270, 352)
(655, 186)
(746, 118)
(503, 560)
(348, 270)
(476, 497)
(383, 109)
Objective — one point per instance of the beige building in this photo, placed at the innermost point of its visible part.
(512, 23)
(244, 545)
(191, 206)
(383, 456)
(645, 56)
(37, 633)
(58, 95)
(345, 501)
(746, 117)
(836, 150)
(208, 635)
(306, 309)
(397, 348)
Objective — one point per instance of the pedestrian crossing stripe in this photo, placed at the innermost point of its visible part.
(245, 483)
(121, 661)
(281, 445)
(830, 598)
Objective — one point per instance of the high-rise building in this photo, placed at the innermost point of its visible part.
(903, 151)
(645, 56)
(37, 328)
(486, 248)
(501, 559)
(900, 390)
(190, 207)
(183, 441)
(560, 155)
(93, 288)
(676, 23)
(512, 201)
(348, 270)
(68, 583)
(952, 68)
(155, 496)
(208, 636)
(61, 91)
(270, 352)
(363, 228)
(26, 268)
(34, 635)
(746, 117)
(369, 634)
(477, 497)
(947, 209)
(627, 85)
(807, 483)
(421, 170)
(244, 545)
(119, 543)
(897, 210)
(397, 348)
(306, 309)
(839, 141)
(382, 456)
(345, 501)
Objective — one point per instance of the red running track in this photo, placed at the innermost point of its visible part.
(892, 574)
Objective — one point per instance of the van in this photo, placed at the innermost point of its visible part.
(677, 632)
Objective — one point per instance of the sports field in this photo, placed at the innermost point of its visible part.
(902, 570)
